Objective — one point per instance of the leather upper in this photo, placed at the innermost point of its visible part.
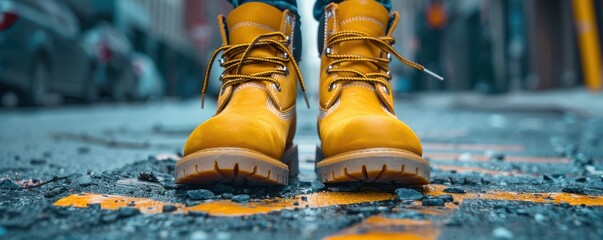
(359, 115)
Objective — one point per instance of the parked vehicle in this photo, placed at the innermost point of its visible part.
(149, 81)
(111, 49)
(40, 52)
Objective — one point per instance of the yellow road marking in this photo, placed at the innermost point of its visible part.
(376, 235)
(313, 200)
(379, 227)
(226, 207)
(570, 198)
(112, 202)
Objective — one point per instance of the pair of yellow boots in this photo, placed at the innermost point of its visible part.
(250, 138)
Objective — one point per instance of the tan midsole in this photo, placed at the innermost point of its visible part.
(371, 152)
(232, 152)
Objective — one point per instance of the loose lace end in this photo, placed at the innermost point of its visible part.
(202, 100)
(433, 74)
(306, 99)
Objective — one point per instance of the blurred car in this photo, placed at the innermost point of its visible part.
(113, 70)
(40, 52)
(149, 82)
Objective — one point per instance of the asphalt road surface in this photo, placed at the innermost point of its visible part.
(106, 172)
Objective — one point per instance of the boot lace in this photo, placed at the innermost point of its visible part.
(232, 67)
(384, 43)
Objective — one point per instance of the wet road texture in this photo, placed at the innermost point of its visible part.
(106, 172)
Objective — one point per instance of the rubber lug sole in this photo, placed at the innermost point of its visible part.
(376, 165)
(236, 165)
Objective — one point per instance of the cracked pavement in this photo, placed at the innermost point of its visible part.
(106, 172)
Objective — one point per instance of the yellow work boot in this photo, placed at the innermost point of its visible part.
(249, 140)
(362, 139)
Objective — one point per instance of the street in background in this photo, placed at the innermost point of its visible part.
(490, 47)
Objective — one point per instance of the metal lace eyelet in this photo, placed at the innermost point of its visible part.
(328, 50)
(389, 56)
(222, 76)
(287, 40)
(332, 86)
(385, 89)
(327, 71)
(277, 87)
(388, 73)
(285, 56)
(221, 61)
(286, 70)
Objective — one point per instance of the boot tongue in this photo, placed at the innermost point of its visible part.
(366, 16)
(250, 20)
(247, 22)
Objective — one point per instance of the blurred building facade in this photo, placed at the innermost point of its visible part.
(493, 46)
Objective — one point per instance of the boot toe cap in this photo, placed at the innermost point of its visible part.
(237, 132)
(366, 132)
